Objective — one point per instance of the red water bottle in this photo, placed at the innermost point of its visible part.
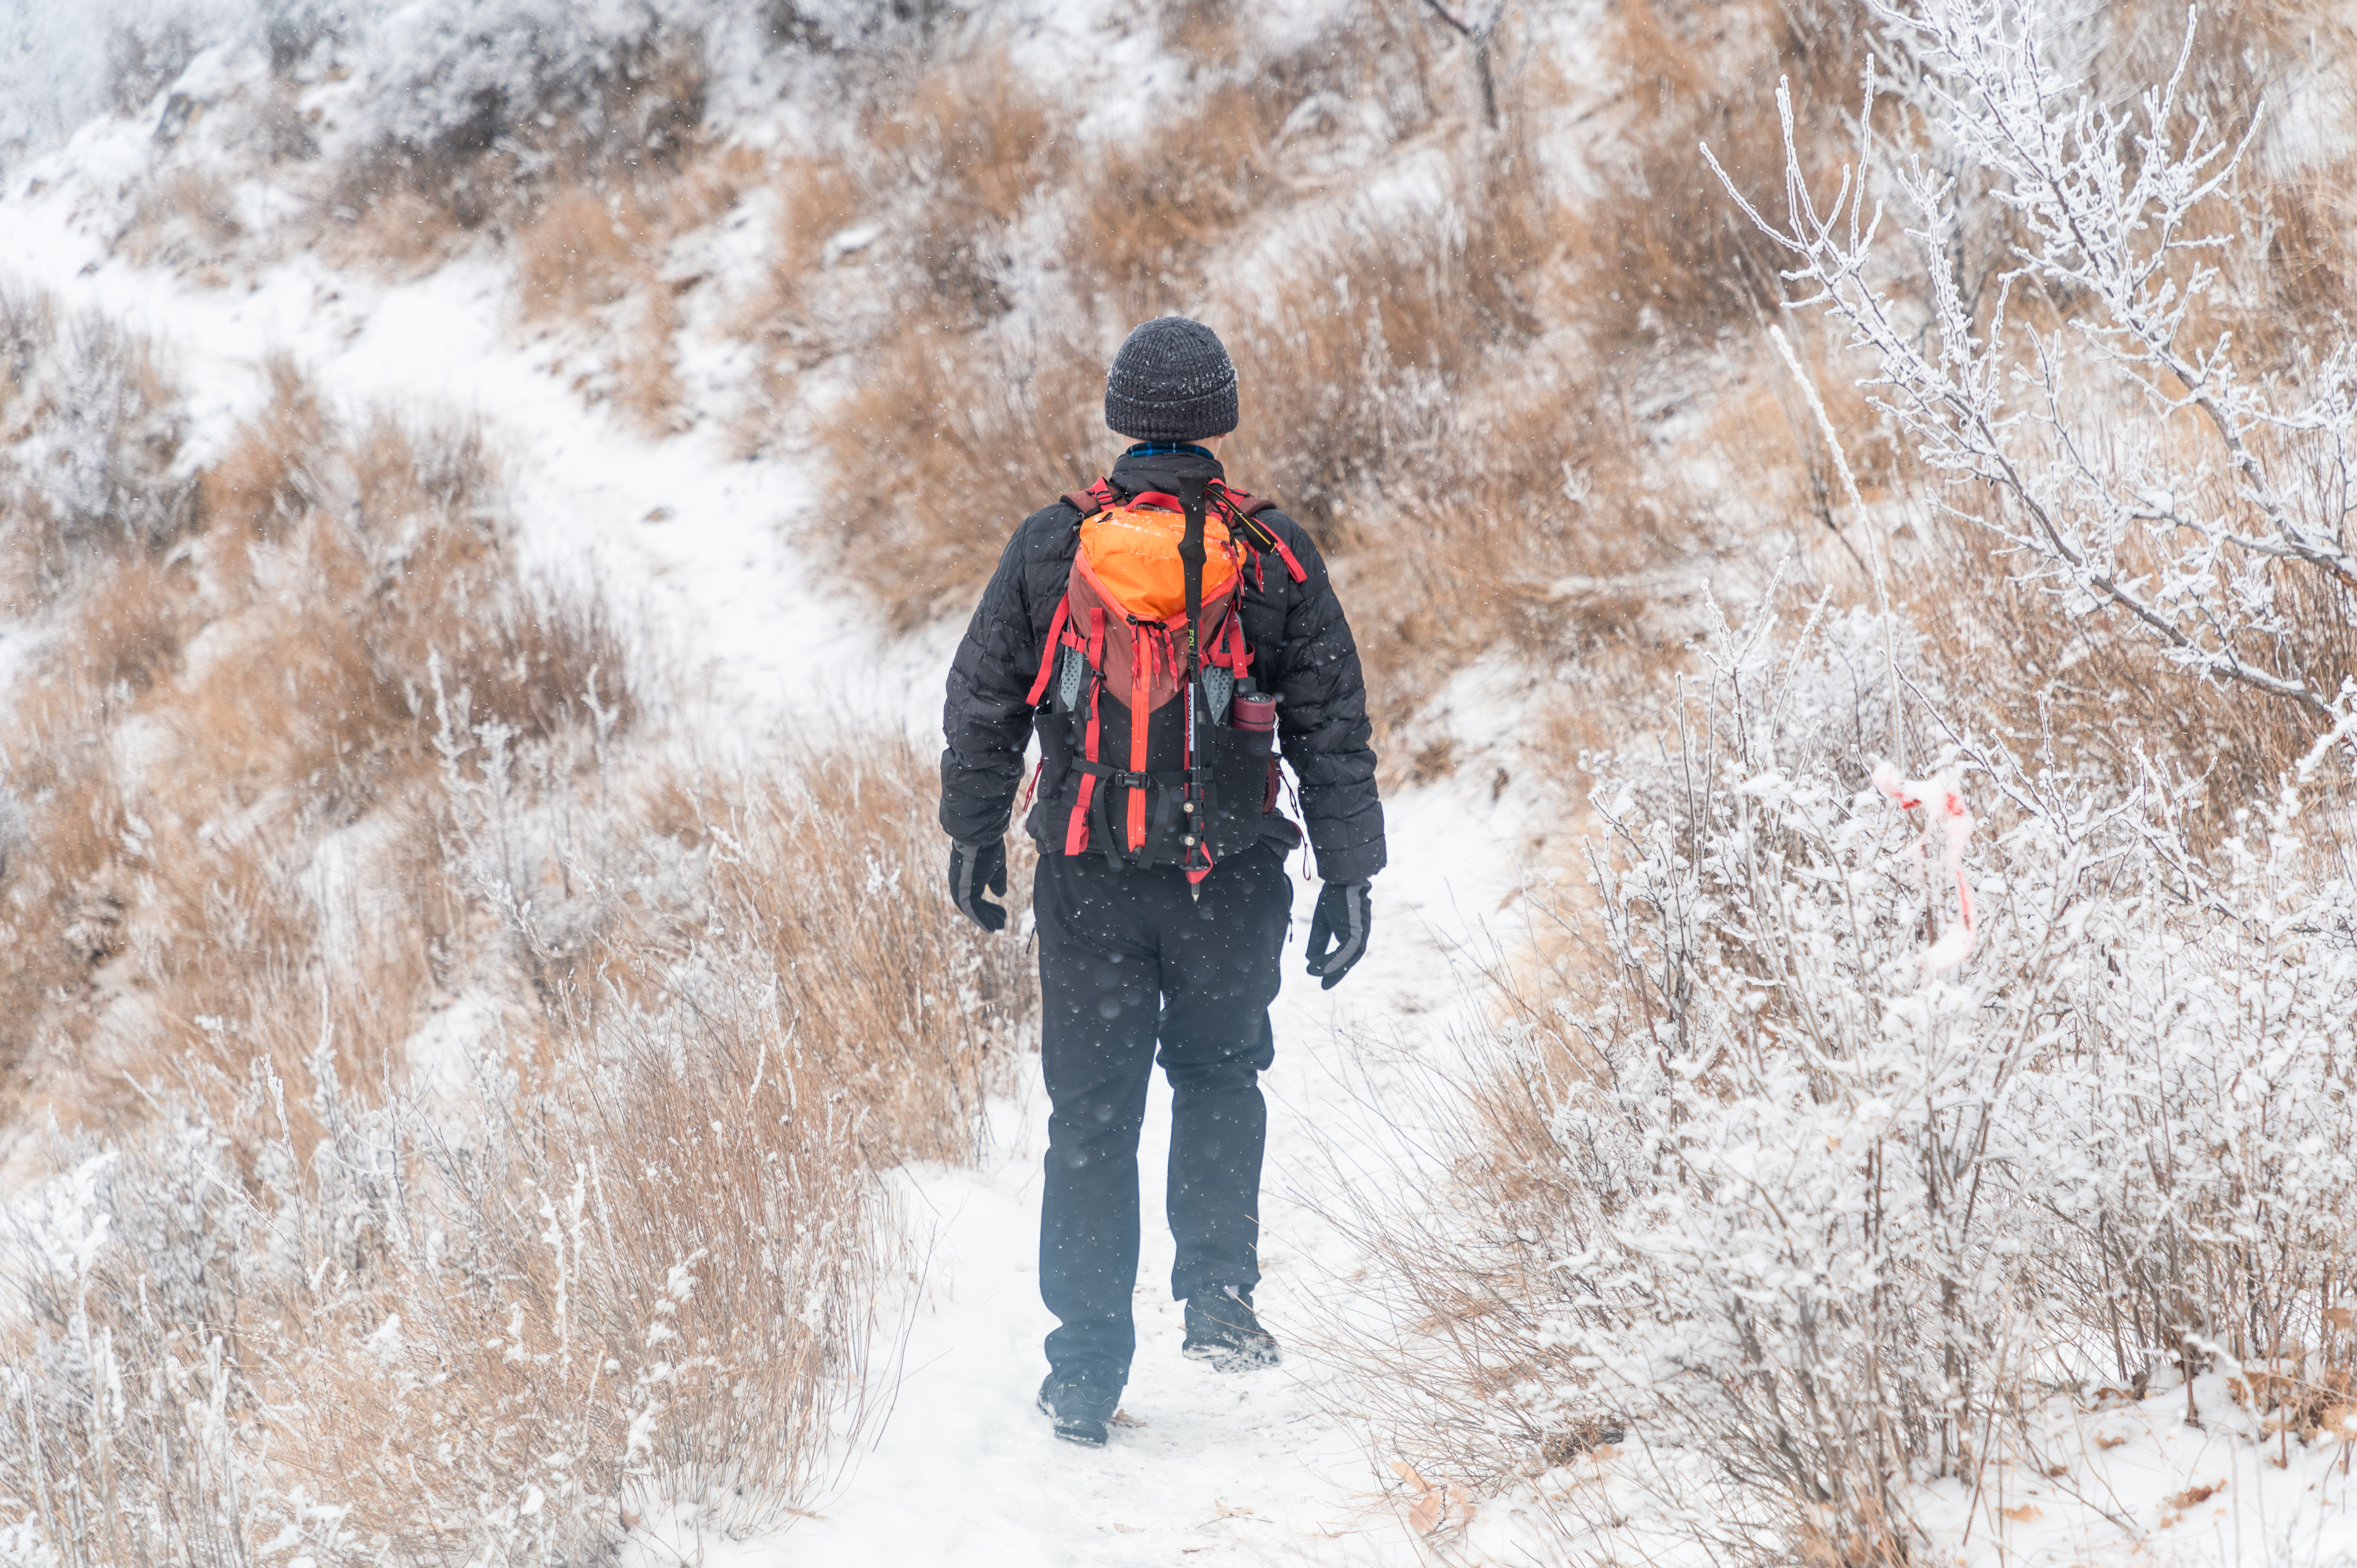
(1253, 714)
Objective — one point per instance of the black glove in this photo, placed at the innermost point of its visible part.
(1343, 918)
(974, 867)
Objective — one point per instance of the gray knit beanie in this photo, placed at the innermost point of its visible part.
(1171, 382)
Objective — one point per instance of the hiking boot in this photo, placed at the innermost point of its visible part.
(1082, 1410)
(1223, 1330)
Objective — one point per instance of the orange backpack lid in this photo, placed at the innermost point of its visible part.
(1132, 554)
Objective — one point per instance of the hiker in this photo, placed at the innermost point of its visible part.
(1166, 636)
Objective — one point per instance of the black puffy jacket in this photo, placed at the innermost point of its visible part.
(1302, 649)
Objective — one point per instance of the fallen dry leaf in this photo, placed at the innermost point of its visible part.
(1439, 1506)
(2023, 1514)
(2192, 1495)
(1123, 1418)
(1407, 1472)
(2108, 1440)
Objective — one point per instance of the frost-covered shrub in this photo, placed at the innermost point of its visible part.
(1817, 1217)
(2087, 397)
(89, 434)
(122, 1399)
(421, 90)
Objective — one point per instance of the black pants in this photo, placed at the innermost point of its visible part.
(1126, 959)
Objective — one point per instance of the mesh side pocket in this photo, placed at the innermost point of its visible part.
(1219, 686)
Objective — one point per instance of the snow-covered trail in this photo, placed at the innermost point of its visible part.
(1236, 1469)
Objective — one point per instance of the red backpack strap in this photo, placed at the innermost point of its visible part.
(1236, 653)
(1243, 513)
(1099, 497)
(1048, 653)
(1076, 832)
(1245, 505)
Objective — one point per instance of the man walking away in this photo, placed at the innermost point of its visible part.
(1163, 632)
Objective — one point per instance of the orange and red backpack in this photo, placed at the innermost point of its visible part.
(1147, 661)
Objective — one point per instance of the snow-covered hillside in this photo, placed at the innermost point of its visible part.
(491, 489)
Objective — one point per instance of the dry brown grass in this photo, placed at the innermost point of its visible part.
(628, 129)
(796, 1032)
(1352, 379)
(1667, 261)
(592, 256)
(940, 448)
(817, 199)
(641, 107)
(1458, 1376)
(584, 249)
(1152, 215)
(2310, 274)
(1538, 538)
(875, 954)
(953, 429)
(1355, 394)
(672, 1201)
(1205, 32)
(963, 148)
(185, 221)
(2084, 690)
(280, 681)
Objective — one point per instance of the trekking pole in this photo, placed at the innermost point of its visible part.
(1190, 556)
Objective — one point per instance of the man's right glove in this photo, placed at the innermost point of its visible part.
(1343, 917)
(972, 868)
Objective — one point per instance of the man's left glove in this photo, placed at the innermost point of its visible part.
(972, 868)
(1343, 917)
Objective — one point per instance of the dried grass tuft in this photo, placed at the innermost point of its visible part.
(940, 449)
(185, 221)
(964, 146)
(638, 104)
(1666, 261)
(1153, 215)
(207, 717)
